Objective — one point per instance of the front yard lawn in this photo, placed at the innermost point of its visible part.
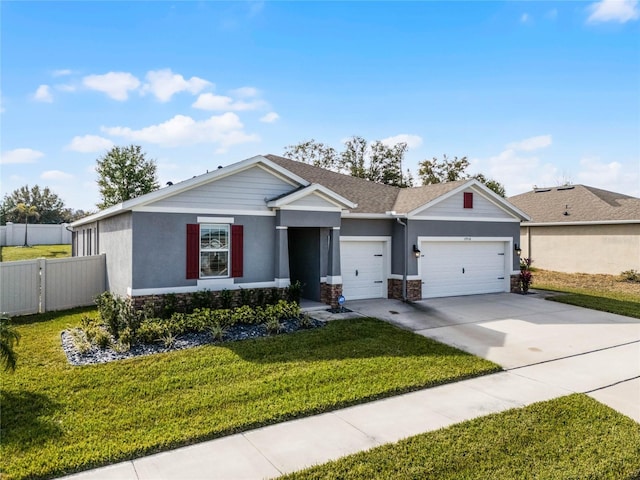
(57, 418)
(12, 254)
(598, 292)
(573, 437)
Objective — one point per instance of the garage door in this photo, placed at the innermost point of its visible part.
(362, 267)
(462, 268)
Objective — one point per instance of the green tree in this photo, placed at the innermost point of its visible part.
(9, 337)
(50, 207)
(26, 211)
(450, 170)
(374, 161)
(125, 173)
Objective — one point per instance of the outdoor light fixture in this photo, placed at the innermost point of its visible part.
(416, 251)
(517, 248)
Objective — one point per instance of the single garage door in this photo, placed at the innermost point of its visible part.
(462, 268)
(362, 267)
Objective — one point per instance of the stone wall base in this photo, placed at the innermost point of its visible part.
(515, 284)
(414, 289)
(186, 302)
(329, 294)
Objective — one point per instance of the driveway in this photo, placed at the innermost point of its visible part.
(560, 345)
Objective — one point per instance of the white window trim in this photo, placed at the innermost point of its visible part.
(228, 250)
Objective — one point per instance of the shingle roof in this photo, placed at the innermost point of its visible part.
(371, 197)
(580, 202)
(411, 198)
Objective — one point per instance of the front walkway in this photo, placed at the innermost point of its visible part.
(579, 351)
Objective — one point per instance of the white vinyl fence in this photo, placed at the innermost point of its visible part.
(34, 286)
(12, 234)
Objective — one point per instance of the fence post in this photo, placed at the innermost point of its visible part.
(42, 267)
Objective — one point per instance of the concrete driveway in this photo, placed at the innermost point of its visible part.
(560, 345)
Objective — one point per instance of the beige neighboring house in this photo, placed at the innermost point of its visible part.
(576, 228)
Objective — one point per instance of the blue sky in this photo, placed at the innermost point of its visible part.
(533, 93)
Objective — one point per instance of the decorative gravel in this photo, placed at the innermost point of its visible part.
(188, 340)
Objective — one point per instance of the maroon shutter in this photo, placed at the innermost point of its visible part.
(193, 250)
(237, 250)
(468, 200)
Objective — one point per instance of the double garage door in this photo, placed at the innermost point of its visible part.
(447, 268)
(462, 268)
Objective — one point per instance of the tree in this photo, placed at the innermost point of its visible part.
(376, 162)
(26, 211)
(49, 206)
(450, 170)
(8, 338)
(125, 173)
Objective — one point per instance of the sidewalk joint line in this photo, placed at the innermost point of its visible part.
(134, 469)
(572, 356)
(260, 451)
(615, 383)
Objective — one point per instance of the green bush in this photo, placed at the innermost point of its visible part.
(244, 314)
(151, 330)
(226, 299)
(630, 276)
(202, 299)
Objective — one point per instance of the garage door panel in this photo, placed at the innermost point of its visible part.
(362, 269)
(462, 268)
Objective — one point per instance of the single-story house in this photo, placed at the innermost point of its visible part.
(268, 221)
(577, 228)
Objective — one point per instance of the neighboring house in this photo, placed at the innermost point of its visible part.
(268, 221)
(576, 228)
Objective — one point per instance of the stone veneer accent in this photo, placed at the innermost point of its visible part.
(515, 284)
(183, 300)
(329, 294)
(414, 289)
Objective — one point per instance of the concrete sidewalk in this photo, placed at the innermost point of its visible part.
(606, 367)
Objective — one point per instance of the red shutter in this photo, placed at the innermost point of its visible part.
(193, 251)
(237, 250)
(468, 200)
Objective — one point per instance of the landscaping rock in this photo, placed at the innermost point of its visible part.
(188, 340)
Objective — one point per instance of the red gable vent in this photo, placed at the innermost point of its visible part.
(468, 200)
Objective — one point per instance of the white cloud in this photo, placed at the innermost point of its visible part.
(55, 175)
(525, 17)
(225, 129)
(61, 73)
(620, 11)
(89, 143)
(270, 117)
(163, 84)
(614, 176)
(245, 92)
(64, 87)
(115, 84)
(43, 94)
(20, 155)
(552, 14)
(209, 101)
(532, 143)
(412, 141)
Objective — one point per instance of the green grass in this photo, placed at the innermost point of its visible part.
(57, 418)
(629, 308)
(572, 437)
(12, 254)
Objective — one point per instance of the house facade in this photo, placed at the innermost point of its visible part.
(268, 221)
(577, 228)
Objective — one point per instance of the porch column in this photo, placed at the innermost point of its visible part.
(333, 269)
(282, 276)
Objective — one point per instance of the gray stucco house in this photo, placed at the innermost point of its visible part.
(268, 221)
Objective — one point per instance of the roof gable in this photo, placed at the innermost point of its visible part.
(312, 197)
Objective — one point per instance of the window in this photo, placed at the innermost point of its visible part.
(214, 250)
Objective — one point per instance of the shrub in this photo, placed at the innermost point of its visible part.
(294, 291)
(525, 274)
(102, 338)
(305, 321)
(217, 331)
(226, 299)
(169, 305)
(199, 320)
(117, 313)
(246, 296)
(261, 298)
(274, 296)
(222, 316)
(273, 325)
(201, 299)
(151, 330)
(630, 276)
(79, 340)
(244, 314)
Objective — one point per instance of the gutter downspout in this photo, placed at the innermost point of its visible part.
(404, 270)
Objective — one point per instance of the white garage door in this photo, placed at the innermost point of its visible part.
(362, 267)
(462, 268)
